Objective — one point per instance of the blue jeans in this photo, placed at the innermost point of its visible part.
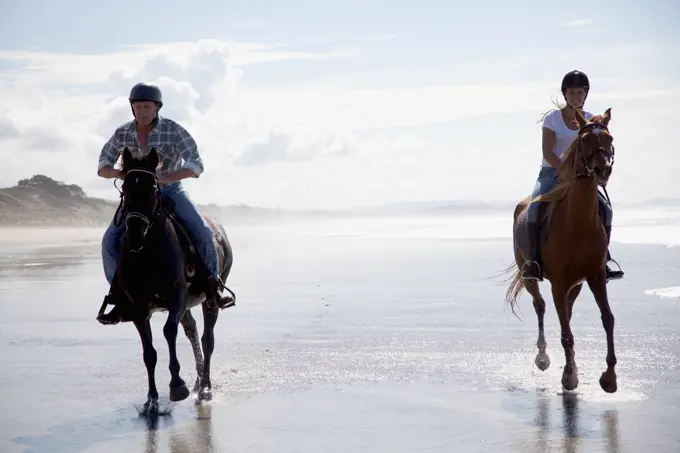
(187, 212)
(547, 180)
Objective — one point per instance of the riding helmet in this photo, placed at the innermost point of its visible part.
(146, 92)
(574, 79)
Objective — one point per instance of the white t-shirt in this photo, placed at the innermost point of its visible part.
(564, 135)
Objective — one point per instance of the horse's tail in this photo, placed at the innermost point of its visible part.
(515, 288)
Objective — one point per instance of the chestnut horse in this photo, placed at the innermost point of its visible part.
(573, 246)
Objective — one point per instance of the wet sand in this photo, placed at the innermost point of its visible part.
(340, 343)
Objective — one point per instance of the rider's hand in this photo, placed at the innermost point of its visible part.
(109, 172)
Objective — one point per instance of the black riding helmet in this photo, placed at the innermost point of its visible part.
(574, 79)
(146, 92)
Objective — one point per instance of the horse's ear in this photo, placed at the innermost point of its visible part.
(580, 119)
(606, 118)
(153, 158)
(127, 158)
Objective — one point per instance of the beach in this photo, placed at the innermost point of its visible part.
(357, 334)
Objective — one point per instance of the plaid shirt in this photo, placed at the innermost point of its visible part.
(172, 142)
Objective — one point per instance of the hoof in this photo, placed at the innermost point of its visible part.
(151, 408)
(608, 382)
(570, 378)
(179, 392)
(542, 361)
(204, 396)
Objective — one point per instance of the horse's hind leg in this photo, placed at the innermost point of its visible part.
(191, 332)
(542, 359)
(150, 359)
(210, 314)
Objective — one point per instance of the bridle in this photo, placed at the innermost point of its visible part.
(595, 130)
(589, 172)
(148, 221)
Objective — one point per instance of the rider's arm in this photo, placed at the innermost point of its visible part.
(107, 159)
(549, 140)
(193, 164)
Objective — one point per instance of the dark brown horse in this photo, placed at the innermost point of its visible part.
(573, 246)
(158, 270)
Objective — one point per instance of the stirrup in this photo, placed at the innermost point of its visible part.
(612, 274)
(220, 300)
(225, 302)
(538, 277)
(111, 317)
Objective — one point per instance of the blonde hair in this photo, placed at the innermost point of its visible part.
(554, 98)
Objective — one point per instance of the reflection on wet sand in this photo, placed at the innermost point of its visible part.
(543, 422)
(45, 263)
(572, 433)
(195, 437)
(611, 431)
(570, 423)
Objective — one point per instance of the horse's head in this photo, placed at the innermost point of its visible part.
(595, 147)
(141, 196)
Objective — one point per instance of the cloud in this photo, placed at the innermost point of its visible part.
(7, 129)
(383, 37)
(577, 23)
(297, 147)
(325, 141)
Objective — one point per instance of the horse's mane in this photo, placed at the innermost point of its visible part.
(565, 172)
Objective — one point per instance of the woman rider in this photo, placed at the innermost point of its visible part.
(560, 128)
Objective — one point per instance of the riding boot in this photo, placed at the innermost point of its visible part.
(112, 317)
(531, 270)
(213, 293)
(611, 274)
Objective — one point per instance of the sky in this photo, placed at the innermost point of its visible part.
(332, 105)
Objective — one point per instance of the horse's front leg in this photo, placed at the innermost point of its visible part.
(150, 359)
(598, 285)
(191, 332)
(563, 308)
(178, 388)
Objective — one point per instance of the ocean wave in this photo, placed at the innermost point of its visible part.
(632, 228)
(672, 292)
